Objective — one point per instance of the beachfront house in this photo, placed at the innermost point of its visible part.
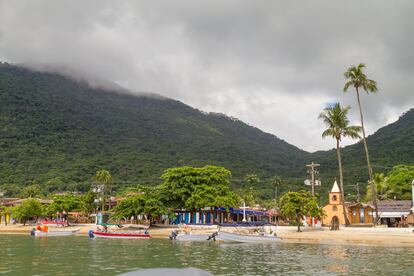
(214, 215)
(394, 213)
(359, 214)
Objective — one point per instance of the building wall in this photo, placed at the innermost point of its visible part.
(333, 210)
(354, 215)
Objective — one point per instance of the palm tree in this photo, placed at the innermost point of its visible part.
(103, 177)
(357, 78)
(335, 118)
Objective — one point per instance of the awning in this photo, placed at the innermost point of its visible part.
(393, 214)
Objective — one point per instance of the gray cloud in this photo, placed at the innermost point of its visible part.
(273, 64)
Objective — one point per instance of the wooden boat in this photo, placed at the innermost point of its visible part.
(54, 233)
(235, 237)
(120, 235)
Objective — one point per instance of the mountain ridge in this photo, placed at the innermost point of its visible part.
(54, 127)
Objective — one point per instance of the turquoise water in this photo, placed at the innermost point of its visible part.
(76, 255)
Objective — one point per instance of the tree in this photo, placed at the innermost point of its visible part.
(252, 180)
(54, 184)
(142, 204)
(357, 78)
(276, 183)
(64, 203)
(397, 184)
(219, 196)
(103, 177)
(296, 205)
(180, 184)
(88, 202)
(380, 182)
(335, 118)
(33, 190)
(29, 208)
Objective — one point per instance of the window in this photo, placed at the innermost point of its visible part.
(334, 198)
(334, 208)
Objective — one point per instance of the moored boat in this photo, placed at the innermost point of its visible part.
(120, 235)
(235, 237)
(53, 233)
(192, 237)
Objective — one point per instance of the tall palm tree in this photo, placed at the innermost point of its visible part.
(357, 78)
(337, 122)
(103, 177)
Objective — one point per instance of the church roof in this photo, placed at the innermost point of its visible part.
(335, 188)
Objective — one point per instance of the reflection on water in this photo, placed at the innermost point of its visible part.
(25, 255)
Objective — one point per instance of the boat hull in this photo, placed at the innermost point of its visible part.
(190, 237)
(97, 234)
(54, 233)
(234, 237)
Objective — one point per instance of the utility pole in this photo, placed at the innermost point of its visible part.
(312, 171)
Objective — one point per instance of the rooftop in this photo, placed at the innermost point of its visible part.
(394, 206)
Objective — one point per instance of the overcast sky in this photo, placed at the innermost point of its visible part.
(272, 64)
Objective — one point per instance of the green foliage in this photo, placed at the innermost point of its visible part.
(357, 78)
(65, 203)
(190, 187)
(141, 204)
(205, 195)
(399, 181)
(397, 184)
(295, 205)
(336, 120)
(55, 128)
(29, 208)
(103, 176)
(57, 131)
(88, 202)
(252, 180)
(33, 190)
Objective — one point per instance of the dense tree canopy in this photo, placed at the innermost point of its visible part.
(28, 209)
(65, 203)
(190, 187)
(296, 205)
(395, 185)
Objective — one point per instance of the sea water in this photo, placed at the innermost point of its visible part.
(80, 255)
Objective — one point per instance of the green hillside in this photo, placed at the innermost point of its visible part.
(52, 128)
(55, 127)
(389, 146)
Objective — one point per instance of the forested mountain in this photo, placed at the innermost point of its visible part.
(52, 127)
(389, 146)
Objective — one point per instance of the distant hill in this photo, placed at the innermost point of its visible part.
(389, 146)
(52, 127)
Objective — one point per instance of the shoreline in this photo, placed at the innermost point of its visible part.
(390, 237)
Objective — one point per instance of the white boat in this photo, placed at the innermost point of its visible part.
(193, 237)
(53, 233)
(235, 237)
(118, 235)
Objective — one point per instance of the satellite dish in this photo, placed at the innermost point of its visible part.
(308, 182)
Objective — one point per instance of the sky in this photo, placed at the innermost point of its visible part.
(272, 64)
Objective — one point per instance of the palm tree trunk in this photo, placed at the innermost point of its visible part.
(370, 172)
(341, 182)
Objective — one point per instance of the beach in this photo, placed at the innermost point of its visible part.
(393, 237)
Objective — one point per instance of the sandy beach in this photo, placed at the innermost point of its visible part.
(394, 237)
